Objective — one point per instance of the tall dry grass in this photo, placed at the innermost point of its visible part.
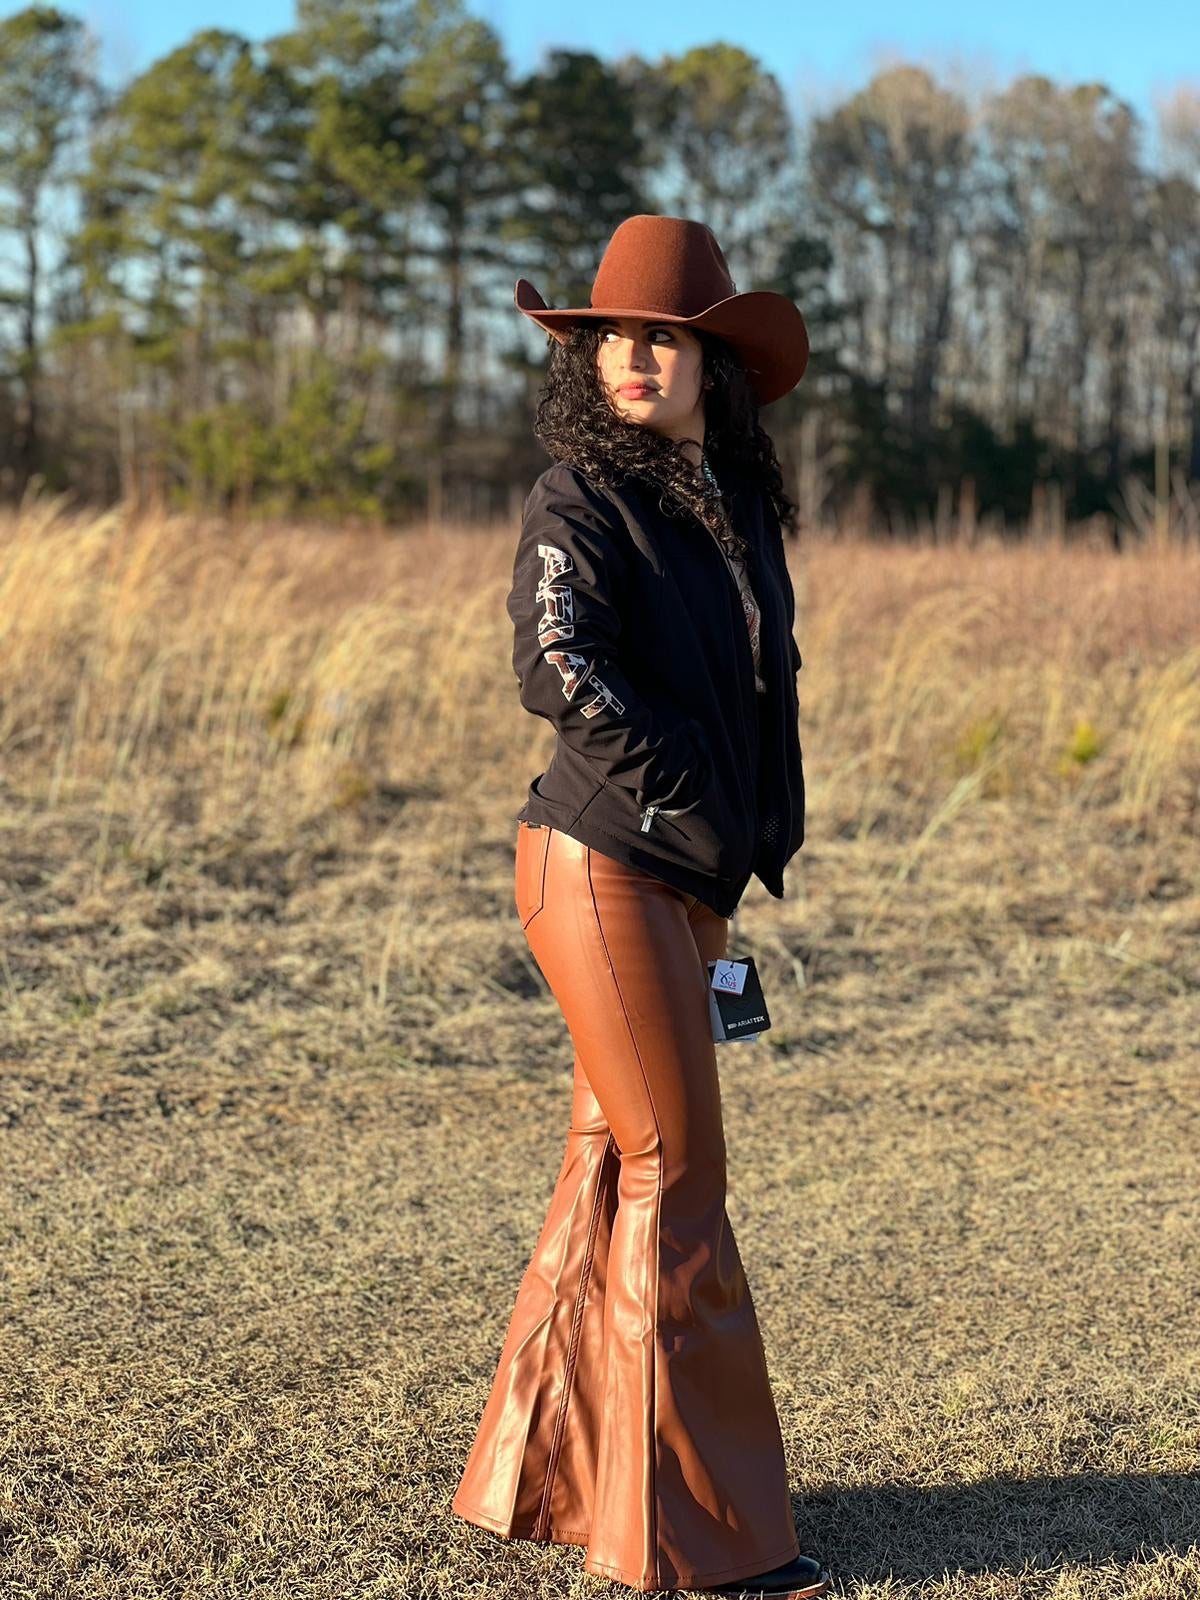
(282, 1094)
(282, 673)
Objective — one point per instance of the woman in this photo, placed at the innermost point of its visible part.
(652, 609)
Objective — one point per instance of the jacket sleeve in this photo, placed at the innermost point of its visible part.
(569, 573)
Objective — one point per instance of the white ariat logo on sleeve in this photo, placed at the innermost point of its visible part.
(572, 669)
(558, 616)
(605, 698)
(558, 622)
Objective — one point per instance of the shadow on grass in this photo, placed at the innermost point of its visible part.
(1000, 1524)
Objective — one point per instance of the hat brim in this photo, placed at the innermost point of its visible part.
(766, 329)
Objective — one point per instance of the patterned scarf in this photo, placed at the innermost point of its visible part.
(737, 566)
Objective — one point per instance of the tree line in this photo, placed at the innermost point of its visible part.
(279, 274)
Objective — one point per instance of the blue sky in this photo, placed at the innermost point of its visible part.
(818, 52)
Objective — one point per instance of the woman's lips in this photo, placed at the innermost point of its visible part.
(636, 391)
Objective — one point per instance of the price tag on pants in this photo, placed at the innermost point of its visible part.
(736, 1005)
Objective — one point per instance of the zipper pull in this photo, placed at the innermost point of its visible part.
(648, 818)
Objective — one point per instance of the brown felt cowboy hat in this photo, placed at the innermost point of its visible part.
(672, 269)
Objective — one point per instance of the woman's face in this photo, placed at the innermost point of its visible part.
(663, 357)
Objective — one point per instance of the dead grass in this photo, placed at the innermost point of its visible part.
(283, 1095)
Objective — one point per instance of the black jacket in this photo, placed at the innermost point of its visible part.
(629, 637)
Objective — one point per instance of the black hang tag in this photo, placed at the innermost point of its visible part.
(736, 1005)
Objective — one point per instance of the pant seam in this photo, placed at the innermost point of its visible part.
(657, 1206)
(585, 1272)
(516, 1530)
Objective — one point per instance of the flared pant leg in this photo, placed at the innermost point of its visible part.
(631, 1409)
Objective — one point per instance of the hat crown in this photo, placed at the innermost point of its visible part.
(671, 265)
(672, 269)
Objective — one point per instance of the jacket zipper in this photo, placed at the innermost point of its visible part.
(648, 813)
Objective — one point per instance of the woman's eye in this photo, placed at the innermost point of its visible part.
(666, 333)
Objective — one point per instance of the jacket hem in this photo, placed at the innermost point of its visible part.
(721, 895)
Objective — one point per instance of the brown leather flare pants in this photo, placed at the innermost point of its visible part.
(631, 1410)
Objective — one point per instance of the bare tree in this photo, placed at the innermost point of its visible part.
(1175, 234)
(894, 165)
(48, 90)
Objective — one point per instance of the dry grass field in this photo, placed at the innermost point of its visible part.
(283, 1095)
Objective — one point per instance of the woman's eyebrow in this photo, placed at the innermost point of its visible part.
(607, 322)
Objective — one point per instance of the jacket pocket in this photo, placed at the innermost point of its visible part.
(705, 835)
(529, 878)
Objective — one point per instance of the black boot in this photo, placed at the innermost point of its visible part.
(797, 1579)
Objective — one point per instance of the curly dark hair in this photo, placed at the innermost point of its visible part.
(576, 423)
